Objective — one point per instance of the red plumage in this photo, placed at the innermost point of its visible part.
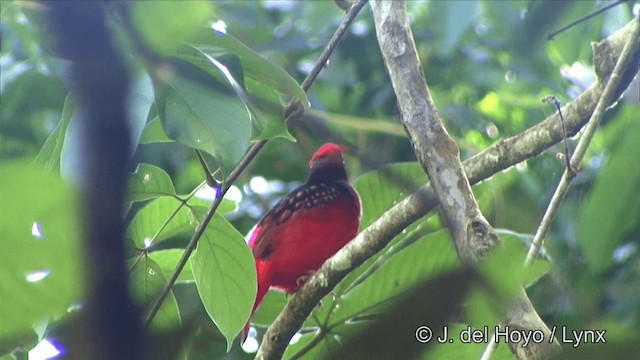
(306, 227)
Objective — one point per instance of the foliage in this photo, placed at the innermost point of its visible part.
(198, 88)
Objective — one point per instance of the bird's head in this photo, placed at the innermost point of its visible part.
(327, 164)
(327, 154)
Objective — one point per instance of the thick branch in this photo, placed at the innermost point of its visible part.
(607, 97)
(472, 234)
(502, 155)
(100, 81)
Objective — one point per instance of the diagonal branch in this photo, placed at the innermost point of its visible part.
(606, 99)
(503, 155)
(437, 152)
(293, 110)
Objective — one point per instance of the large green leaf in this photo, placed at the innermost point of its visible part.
(166, 24)
(147, 280)
(385, 187)
(255, 65)
(611, 209)
(225, 275)
(269, 119)
(40, 253)
(167, 260)
(201, 112)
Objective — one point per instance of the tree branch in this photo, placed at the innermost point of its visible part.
(502, 155)
(293, 110)
(606, 99)
(437, 152)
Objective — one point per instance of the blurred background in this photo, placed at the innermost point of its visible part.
(487, 64)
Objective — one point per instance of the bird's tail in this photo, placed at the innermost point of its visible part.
(264, 282)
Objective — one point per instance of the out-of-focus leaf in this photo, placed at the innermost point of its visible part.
(200, 112)
(147, 280)
(49, 155)
(139, 102)
(154, 133)
(166, 24)
(225, 275)
(40, 252)
(540, 266)
(612, 206)
(393, 333)
(386, 127)
(456, 349)
(393, 273)
(387, 186)
(459, 17)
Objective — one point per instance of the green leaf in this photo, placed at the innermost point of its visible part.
(167, 260)
(254, 64)
(456, 349)
(225, 275)
(154, 133)
(611, 209)
(269, 120)
(40, 251)
(383, 188)
(166, 24)
(199, 111)
(147, 280)
(161, 219)
(395, 272)
(149, 182)
(521, 243)
(49, 155)
(487, 305)
(140, 99)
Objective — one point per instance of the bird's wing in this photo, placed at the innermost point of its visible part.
(264, 239)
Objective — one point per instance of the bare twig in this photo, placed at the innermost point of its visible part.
(553, 100)
(605, 99)
(293, 110)
(552, 35)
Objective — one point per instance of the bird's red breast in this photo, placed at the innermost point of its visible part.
(307, 226)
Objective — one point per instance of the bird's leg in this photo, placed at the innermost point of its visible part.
(303, 279)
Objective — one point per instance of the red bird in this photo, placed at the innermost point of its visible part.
(306, 227)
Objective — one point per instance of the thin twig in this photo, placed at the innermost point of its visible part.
(491, 347)
(552, 35)
(292, 110)
(552, 99)
(583, 144)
